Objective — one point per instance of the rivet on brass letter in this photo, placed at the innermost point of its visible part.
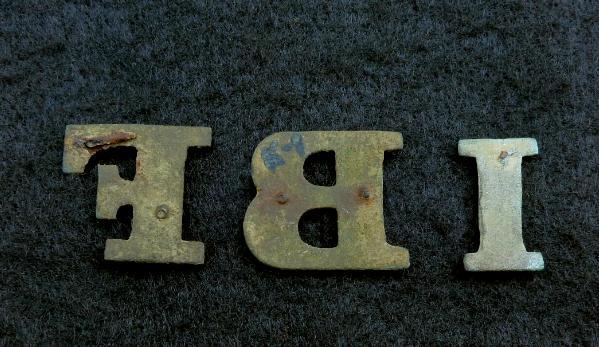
(156, 193)
(284, 195)
(500, 205)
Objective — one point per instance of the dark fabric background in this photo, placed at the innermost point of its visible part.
(436, 71)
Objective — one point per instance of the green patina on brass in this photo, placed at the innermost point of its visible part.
(156, 193)
(500, 205)
(284, 195)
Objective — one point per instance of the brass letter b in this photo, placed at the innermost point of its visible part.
(284, 195)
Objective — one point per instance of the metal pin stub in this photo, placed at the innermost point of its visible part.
(162, 212)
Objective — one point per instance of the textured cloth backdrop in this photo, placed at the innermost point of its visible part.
(436, 71)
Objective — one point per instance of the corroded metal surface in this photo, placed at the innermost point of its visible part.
(283, 195)
(500, 205)
(156, 193)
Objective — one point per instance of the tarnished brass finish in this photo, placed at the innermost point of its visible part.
(500, 205)
(156, 193)
(284, 195)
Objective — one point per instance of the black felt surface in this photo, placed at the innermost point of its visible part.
(437, 72)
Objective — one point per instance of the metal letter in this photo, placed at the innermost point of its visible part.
(500, 205)
(284, 195)
(156, 193)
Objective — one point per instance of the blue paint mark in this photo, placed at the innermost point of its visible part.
(271, 158)
(287, 147)
(298, 142)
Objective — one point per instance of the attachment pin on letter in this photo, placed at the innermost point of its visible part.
(156, 193)
(500, 205)
(284, 195)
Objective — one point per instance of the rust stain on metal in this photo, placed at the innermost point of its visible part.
(156, 193)
(102, 141)
(284, 195)
(282, 198)
(364, 193)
